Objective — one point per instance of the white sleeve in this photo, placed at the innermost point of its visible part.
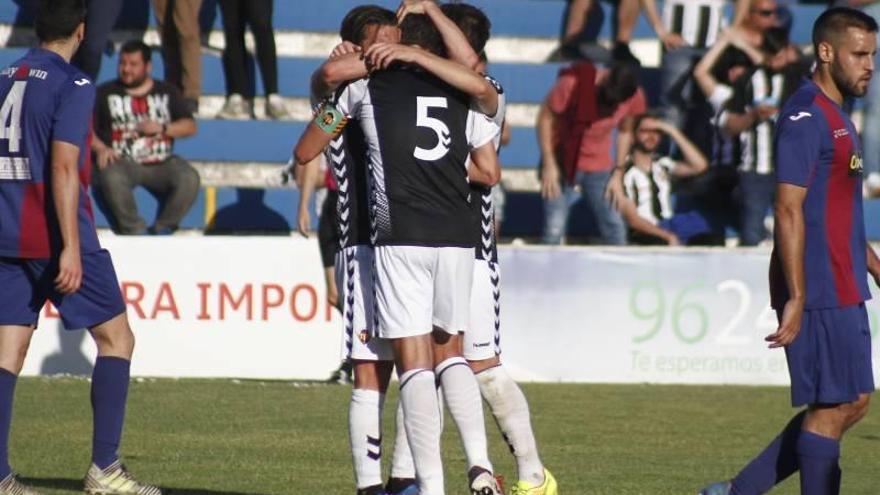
(481, 129)
(352, 96)
(629, 186)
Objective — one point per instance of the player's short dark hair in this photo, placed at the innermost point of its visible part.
(353, 26)
(472, 22)
(620, 85)
(138, 46)
(58, 19)
(418, 29)
(833, 22)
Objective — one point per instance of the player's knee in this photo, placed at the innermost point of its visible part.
(483, 364)
(12, 357)
(859, 409)
(116, 339)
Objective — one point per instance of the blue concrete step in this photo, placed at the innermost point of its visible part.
(520, 18)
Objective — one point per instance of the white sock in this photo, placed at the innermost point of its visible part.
(365, 435)
(401, 460)
(511, 411)
(421, 417)
(466, 407)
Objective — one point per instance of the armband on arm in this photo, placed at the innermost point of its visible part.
(329, 119)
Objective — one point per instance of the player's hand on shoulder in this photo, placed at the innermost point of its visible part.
(69, 277)
(382, 55)
(412, 7)
(344, 48)
(790, 325)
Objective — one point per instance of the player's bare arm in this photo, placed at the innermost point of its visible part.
(326, 125)
(481, 91)
(65, 194)
(306, 179)
(873, 264)
(485, 168)
(337, 70)
(789, 218)
(457, 45)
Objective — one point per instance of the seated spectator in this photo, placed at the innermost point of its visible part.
(237, 14)
(749, 119)
(647, 208)
(576, 124)
(136, 122)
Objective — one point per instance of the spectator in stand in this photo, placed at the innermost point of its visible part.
(237, 14)
(576, 123)
(871, 109)
(647, 208)
(136, 122)
(101, 15)
(687, 29)
(749, 118)
(178, 22)
(717, 85)
(580, 14)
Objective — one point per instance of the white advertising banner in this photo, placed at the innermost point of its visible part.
(250, 307)
(255, 307)
(637, 315)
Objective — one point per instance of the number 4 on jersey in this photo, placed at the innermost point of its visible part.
(423, 103)
(10, 116)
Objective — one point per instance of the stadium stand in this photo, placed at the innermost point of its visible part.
(233, 156)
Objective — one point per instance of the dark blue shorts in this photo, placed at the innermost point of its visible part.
(830, 360)
(26, 285)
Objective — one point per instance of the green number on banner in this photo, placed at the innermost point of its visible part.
(681, 308)
(655, 312)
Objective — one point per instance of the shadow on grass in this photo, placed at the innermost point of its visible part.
(76, 485)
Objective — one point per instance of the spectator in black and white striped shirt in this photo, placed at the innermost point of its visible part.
(749, 118)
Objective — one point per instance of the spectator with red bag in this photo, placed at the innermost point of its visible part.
(576, 124)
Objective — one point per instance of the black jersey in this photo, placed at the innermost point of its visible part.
(419, 132)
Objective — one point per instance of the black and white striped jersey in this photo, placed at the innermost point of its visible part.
(760, 87)
(419, 132)
(347, 157)
(699, 22)
(484, 208)
(651, 191)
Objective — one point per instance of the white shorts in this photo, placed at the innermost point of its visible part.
(419, 288)
(354, 279)
(483, 337)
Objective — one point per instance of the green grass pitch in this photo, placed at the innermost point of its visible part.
(221, 437)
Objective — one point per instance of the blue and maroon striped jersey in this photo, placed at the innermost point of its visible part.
(42, 99)
(818, 148)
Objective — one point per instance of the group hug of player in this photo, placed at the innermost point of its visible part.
(410, 126)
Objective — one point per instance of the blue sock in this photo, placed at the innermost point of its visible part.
(777, 462)
(818, 458)
(7, 391)
(109, 392)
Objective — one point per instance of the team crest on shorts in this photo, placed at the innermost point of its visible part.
(364, 336)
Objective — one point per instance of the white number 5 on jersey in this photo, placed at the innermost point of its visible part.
(423, 103)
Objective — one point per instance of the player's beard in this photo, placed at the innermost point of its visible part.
(848, 86)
